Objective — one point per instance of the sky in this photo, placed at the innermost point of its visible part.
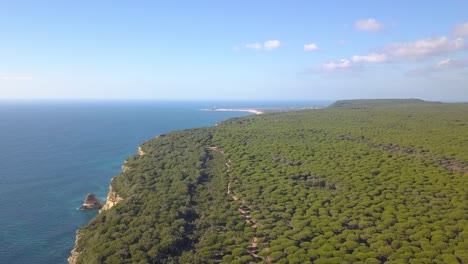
(234, 50)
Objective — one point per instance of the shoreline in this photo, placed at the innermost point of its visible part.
(259, 111)
(249, 110)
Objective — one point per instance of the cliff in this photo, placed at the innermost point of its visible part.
(258, 189)
(125, 167)
(75, 253)
(140, 151)
(112, 199)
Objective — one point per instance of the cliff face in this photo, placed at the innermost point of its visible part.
(125, 167)
(75, 253)
(112, 199)
(140, 151)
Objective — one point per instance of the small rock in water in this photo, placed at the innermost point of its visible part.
(91, 203)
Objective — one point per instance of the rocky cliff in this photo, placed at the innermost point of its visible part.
(75, 253)
(140, 151)
(125, 167)
(112, 199)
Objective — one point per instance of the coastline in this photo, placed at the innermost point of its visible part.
(112, 199)
(249, 110)
(259, 111)
(75, 253)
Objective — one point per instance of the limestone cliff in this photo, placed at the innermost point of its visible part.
(125, 167)
(112, 199)
(140, 151)
(75, 253)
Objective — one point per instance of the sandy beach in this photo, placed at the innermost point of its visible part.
(255, 111)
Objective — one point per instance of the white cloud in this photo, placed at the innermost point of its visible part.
(421, 49)
(450, 64)
(271, 44)
(337, 65)
(267, 45)
(310, 47)
(461, 30)
(354, 62)
(368, 25)
(443, 65)
(371, 58)
(254, 46)
(424, 48)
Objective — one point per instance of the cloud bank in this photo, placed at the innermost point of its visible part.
(424, 48)
(440, 66)
(418, 50)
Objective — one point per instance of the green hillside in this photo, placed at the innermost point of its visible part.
(346, 184)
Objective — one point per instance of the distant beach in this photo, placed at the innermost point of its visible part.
(251, 110)
(259, 111)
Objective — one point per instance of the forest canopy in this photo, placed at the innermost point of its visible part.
(358, 182)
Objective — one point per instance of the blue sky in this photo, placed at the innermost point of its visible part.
(234, 50)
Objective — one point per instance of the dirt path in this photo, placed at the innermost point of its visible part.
(245, 210)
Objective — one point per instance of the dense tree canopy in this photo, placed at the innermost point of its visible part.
(358, 183)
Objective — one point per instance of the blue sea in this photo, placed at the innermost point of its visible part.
(52, 153)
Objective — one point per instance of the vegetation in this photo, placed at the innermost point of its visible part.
(379, 103)
(363, 182)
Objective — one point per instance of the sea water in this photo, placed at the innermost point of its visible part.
(52, 153)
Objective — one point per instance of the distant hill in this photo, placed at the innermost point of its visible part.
(378, 103)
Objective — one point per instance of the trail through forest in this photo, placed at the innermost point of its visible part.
(244, 209)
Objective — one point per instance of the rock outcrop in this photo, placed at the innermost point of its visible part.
(91, 203)
(140, 151)
(125, 167)
(112, 199)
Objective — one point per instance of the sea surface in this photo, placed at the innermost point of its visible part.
(53, 153)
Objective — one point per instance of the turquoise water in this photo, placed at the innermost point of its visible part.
(53, 153)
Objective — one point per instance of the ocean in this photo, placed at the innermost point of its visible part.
(53, 153)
